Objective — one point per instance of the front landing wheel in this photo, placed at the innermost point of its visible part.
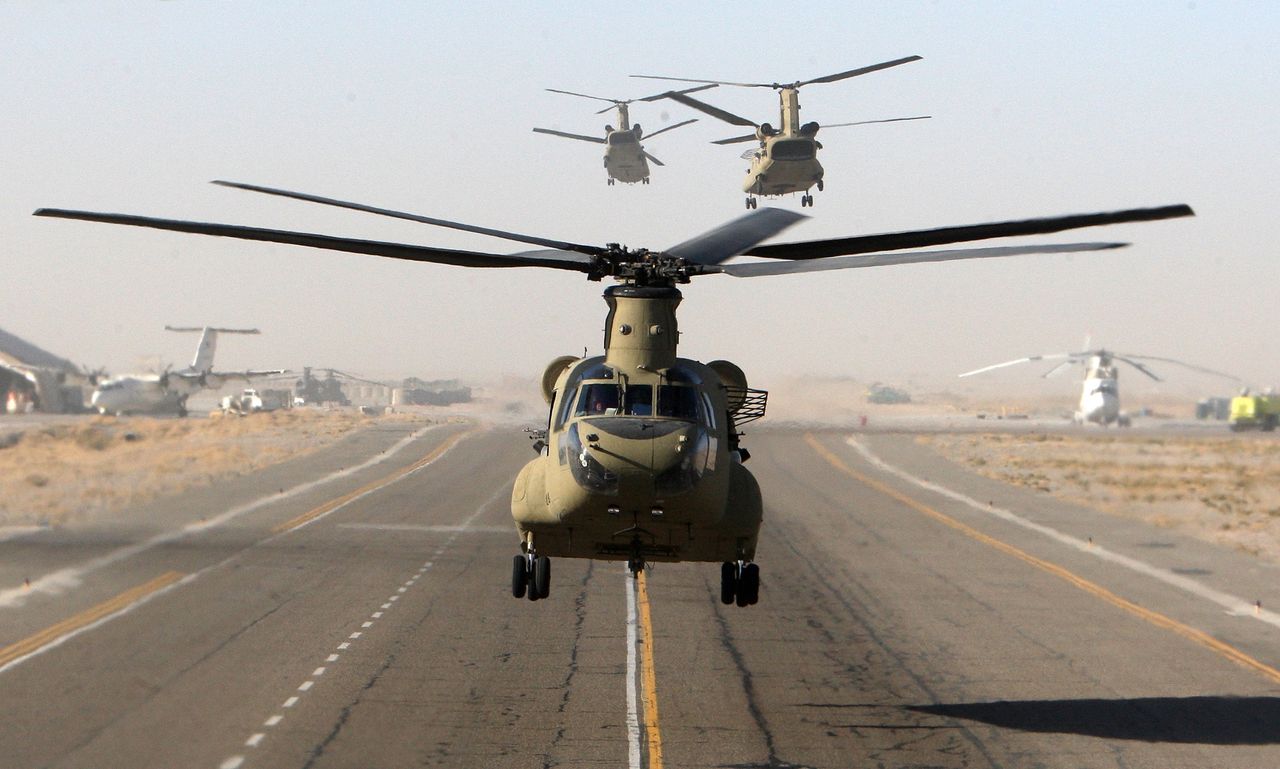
(728, 582)
(519, 576)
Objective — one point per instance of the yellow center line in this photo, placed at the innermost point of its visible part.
(1155, 618)
(87, 617)
(334, 504)
(649, 678)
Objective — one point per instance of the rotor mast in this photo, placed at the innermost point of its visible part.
(789, 103)
(640, 331)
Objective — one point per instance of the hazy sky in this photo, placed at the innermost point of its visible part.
(1039, 109)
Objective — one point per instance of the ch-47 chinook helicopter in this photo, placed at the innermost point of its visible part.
(786, 160)
(1100, 391)
(642, 459)
(624, 157)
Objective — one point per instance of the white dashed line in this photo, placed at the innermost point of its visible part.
(254, 740)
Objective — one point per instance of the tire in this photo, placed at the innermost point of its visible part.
(749, 585)
(542, 576)
(519, 576)
(728, 582)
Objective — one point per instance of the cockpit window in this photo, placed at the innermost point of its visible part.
(678, 402)
(597, 398)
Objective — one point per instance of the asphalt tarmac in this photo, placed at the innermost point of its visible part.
(353, 609)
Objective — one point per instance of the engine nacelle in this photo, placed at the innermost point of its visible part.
(809, 129)
(552, 373)
(608, 129)
(635, 129)
(764, 131)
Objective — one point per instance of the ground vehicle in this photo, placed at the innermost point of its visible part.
(1249, 411)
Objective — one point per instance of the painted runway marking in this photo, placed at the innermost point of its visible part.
(1234, 605)
(648, 677)
(256, 738)
(70, 578)
(56, 635)
(633, 717)
(1155, 618)
(232, 763)
(428, 529)
(333, 505)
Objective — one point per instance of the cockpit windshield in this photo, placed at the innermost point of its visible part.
(610, 399)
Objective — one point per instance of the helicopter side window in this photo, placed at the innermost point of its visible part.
(595, 399)
(678, 402)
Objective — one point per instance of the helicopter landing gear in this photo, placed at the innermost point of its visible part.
(806, 200)
(819, 185)
(645, 180)
(530, 574)
(751, 203)
(610, 181)
(740, 583)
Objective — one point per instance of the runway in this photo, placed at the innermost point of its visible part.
(353, 609)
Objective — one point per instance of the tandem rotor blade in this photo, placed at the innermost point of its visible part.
(713, 111)
(1138, 366)
(729, 240)
(859, 71)
(894, 241)
(668, 128)
(738, 139)
(869, 122)
(514, 236)
(579, 137)
(652, 159)
(555, 259)
(754, 269)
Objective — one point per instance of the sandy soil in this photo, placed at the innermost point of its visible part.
(1224, 489)
(69, 473)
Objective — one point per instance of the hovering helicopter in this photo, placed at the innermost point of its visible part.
(1100, 391)
(787, 159)
(624, 156)
(642, 457)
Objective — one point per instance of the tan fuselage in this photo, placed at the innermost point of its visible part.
(638, 458)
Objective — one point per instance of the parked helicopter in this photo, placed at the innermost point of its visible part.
(787, 159)
(1100, 391)
(624, 156)
(168, 392)
(642, 458)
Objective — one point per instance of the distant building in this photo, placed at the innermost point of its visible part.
(32, 379)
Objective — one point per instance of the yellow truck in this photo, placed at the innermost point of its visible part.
(1254, 411)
